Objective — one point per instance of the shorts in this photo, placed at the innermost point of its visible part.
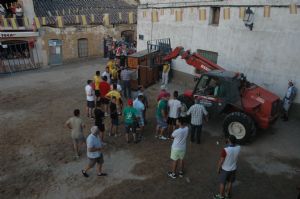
(90, 104)
(97, 93)
(141, 122)
(104, 100)
(172, 121)
(101, 127)
(93, 161)
(130, 126)
(177, 154)
(115, 121)
(78, 140)
(161, 123)
(226, 176)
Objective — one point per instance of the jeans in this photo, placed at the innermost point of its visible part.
(165, 78)
(196, 129)
(126, 88)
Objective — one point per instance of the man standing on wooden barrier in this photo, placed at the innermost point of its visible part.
(165, 73)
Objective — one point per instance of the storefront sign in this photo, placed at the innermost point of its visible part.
(18, 34)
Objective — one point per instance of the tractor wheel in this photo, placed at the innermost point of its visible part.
(186, 100)
(240, 125)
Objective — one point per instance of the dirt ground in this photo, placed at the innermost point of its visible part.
(37, 157)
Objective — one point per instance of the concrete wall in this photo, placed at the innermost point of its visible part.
(70, 35)
(268, 55)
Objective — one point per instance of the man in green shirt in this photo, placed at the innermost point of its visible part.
(162, 116)
(130, 118)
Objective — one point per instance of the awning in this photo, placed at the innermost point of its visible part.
(18, 34)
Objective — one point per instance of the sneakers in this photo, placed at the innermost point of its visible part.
(172, 175)
(180, 174)
(84, 173)
(218, 196)
(102, 174)
(163, 138)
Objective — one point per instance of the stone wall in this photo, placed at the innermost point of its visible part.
(70, 35)
(268, 55)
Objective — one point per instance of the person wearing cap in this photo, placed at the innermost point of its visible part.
(163, 91)
(94, 152)
(197, 111)
(130, 117)
(162, 116)
(288, 100)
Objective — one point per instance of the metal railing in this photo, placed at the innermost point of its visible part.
(16, 57)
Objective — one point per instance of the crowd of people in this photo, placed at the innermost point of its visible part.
(105, 96)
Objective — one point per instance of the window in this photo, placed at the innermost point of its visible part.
(215, 16)
(141, 37)
(212, 56)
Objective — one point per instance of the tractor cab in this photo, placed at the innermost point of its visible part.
(216, 89)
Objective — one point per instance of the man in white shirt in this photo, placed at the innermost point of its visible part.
(94, 152)
(178, 148)
(197, 111)
(174, 110)
(227, 167)
(90, 97)
(106, 74)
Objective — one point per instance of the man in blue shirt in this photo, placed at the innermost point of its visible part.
(140, 107)
(94, 152)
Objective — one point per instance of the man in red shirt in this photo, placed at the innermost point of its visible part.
(104, 88)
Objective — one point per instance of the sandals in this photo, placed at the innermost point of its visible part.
(102, 174)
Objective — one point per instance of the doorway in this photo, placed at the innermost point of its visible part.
(55, 52)
(128, 35)
(83, 49)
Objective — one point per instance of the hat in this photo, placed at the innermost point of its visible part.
(130, 102)
(94, 129)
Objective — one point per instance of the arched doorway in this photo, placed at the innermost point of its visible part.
(83, 48)
(128, 36)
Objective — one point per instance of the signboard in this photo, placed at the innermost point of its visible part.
(18, 34)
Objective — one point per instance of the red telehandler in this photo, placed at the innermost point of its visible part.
(245, 104)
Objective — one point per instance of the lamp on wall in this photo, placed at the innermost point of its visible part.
(249, 18)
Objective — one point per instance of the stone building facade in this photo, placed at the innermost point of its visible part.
(268, 54)
(78, 42)
(59, 31)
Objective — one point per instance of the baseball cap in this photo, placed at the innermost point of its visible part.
(94, 129)
(130, 102)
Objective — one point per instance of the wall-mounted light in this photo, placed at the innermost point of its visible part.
(249, 18)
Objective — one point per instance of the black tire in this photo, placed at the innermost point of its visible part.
(188, 103)
(186, 100)
(242, 122)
